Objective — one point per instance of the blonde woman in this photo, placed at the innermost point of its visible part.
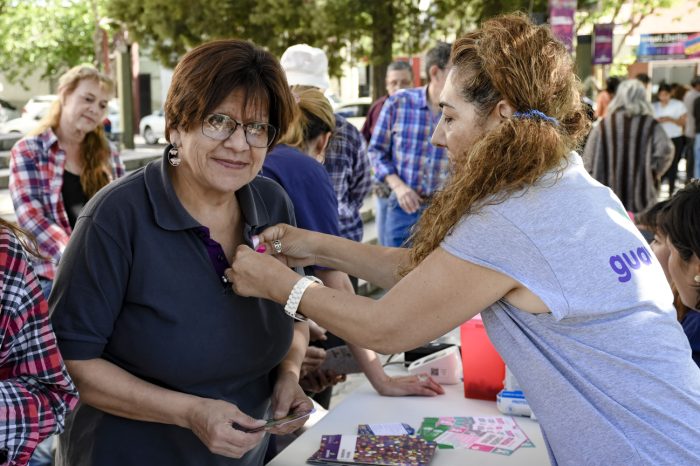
(566, 286)
(62, 163)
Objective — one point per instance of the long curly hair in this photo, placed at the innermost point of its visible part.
(94, 150)
(510, 59)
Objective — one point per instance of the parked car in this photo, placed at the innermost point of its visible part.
(152, 127)
(33, 111)
(38, 105)
(7, 111)
(355, 111)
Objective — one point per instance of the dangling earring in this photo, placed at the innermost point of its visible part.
(173, 157)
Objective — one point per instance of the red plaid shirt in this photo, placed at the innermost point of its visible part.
(36, 392)
(36, 178)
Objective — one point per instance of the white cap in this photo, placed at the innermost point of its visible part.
(306, 66)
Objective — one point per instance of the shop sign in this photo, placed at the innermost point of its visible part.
(671, 46)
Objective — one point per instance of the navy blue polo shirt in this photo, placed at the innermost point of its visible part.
(137, 287)
(308, 185)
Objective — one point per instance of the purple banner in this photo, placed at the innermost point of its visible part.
(561, 20)
(603, 44)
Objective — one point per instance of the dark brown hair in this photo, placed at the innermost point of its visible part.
(508, 58)
(680, 223)
(94, 149)
(209, 73)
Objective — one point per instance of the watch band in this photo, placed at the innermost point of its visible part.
(295, 296)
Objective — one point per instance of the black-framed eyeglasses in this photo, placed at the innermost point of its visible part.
(221, 127)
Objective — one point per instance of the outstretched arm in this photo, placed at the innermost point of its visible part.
(376, 264)
(438, 295)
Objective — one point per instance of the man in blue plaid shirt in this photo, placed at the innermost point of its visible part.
(401, 153)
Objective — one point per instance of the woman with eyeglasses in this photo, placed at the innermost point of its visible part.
(569, 293)
(172, 366)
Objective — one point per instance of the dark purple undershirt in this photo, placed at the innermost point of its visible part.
(216, 252)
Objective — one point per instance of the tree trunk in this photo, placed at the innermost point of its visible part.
(382, 41)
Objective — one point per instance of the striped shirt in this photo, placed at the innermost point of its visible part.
(629, 154)
(400, 143)
(36, 392)
(36, 177)
(347, 164)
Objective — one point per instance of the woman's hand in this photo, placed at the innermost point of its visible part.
(289, 398)
(260, 275)
(212, 421)
(313, 358)
(296, 245)
(422, 385)
(318, 380)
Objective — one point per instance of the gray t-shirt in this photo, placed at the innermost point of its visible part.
(608, 372)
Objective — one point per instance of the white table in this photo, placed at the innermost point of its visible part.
(364, 406)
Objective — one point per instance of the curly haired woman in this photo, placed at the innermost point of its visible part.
(564, 281)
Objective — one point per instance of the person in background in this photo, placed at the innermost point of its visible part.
(346, 155)
(671, 113)
(401, 153)
(605, 96)
(399, 75)
(647, 222)
(296, 163)
(509, 237)
(61, 164)
(644, 79)
(678, 91)
(679, 229)
(173, 367)
(36, 392)
(628, 150)
(691, 127)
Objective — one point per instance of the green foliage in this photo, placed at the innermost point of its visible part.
(170, 27)
(47, 36)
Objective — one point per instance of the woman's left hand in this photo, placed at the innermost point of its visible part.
(260, 275)
(421, 385)
(289, 398)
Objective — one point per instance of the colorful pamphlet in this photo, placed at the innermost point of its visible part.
(494, 434)
(393, 428)
(377, 450)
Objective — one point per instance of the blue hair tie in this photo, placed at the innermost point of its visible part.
(536, 114)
